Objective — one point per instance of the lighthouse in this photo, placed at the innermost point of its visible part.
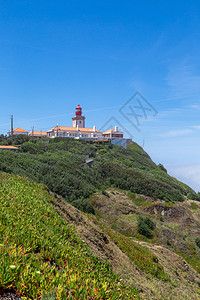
(78, 120)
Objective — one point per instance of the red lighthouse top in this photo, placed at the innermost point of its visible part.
(78, 110)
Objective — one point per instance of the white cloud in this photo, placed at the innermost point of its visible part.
(175, 133)
(196, 126)
(189, 174)
(194, 106)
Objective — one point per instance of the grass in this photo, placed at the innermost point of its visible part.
(137, 200)
(194, 206)
(141, 256)
(40, 254)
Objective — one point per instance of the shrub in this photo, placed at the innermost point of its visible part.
(197, 241)
(84, 205)
(105, 194)
(145, 226)
(32, 148)
(192, 196)
(102, 152)
(161, 219)
(198, 196)
(184, 237)
(168, 243)
(161, 167)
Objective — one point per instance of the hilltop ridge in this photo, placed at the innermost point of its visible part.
(57, 163)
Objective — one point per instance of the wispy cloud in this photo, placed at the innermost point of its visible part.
(189, 174)
(183, 81)
(176, 133)
(180, 132)
(194, 106)
(196, 127)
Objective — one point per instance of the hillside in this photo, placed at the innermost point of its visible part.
(153, 267)
(41, 254)
(60, 164)
(45, 241)
(139, 223)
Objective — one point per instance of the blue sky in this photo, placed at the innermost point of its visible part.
(56, 54)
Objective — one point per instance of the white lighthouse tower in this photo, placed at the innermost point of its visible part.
(78, 120)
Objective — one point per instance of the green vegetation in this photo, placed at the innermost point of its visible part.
(145, 226)
(60, 164)
(194, 206)
(136, 200)
(105, 194)
(40, 253)
(160, 166)
(197, 241)
(141, 256)
(14, 140)
(41, 256)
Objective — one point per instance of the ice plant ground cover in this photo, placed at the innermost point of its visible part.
(141, 256)
(40, 253)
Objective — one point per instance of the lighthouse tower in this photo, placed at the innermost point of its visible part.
(78, 119)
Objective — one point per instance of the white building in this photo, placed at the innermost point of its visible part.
(17, 131)
(113, 134)
(77, 131)
(37, 134)
(74, 132)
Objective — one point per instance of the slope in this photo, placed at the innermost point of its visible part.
(59, 164)
(46, 247)
(41, 253)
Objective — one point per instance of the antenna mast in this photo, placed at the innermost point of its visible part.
(11, 118)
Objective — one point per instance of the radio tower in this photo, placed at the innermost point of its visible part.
(11, 118)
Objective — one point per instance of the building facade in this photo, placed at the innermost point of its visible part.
(78, 129)
(38, 134)
(17, 131)
(74, 132)
(113, 134)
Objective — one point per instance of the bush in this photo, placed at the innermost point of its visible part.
(84, 205)
(161, 167)
(102, 152)
(197, 241)
(168, 243)
(145, 226)
(192, 196)
(105, 194)
(32, 148)
(198, 196)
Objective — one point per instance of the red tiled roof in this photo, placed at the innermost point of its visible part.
(101, 141)
(19, 130)
(74, 129)
(8, 147)
(38, 133)
(111, 130)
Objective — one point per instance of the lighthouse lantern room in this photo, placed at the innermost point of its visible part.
(78, 120)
